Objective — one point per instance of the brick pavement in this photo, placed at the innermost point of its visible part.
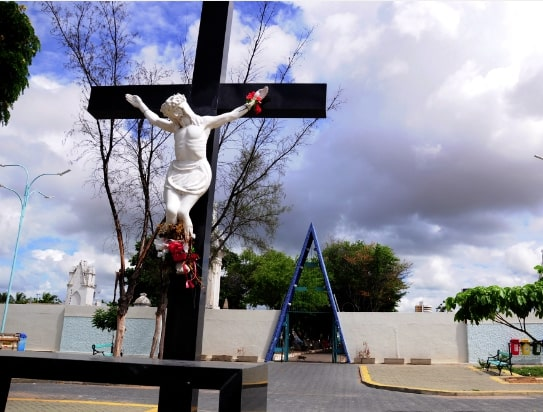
(305, 386)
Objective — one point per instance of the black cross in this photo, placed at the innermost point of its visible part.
(207, 95)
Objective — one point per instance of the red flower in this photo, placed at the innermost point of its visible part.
(177, 250)
(185, 262)
(258, 100)
(251, 96)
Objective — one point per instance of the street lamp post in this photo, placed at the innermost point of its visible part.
(24, 201)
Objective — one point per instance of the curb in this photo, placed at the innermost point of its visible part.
(368, 381)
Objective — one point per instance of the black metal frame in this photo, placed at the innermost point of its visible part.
(242, 386)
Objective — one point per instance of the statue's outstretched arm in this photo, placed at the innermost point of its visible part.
(153, 118)
(253, 101)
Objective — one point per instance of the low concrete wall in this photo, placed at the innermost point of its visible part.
(389, 335)
(238, 332)
(432, 335)
(41, 322)
(423, 335)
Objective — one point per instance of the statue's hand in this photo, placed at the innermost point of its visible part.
(262, 93)
(255, 98)
(134, 100)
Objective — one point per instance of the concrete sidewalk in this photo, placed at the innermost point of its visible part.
(444, 379)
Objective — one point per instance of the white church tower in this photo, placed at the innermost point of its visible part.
(82, 285)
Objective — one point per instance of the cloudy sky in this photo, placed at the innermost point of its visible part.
(432, 153)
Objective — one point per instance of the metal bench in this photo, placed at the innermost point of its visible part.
(101, 348)
(500, 361)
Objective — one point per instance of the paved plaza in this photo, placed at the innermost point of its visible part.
(314, 387)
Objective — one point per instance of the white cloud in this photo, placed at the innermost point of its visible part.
(432, 135)
(416, 18)
(48, 254)
(432, 153)
(470, 83)
(393, 68)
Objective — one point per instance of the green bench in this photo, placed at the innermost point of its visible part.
(101, 348)
(501, 360)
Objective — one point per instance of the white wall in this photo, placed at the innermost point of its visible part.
(389, 335)
(41, 322)
(248, 332)
(432, 335)
(233, 332)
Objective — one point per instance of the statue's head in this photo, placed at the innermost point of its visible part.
(172, 105)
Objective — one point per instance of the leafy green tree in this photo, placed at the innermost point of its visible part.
(21, 298)
(499, 304)
(18, 46)
(4, 298)
(106, 319)
(539, 270)
(254, 280)
(365, 277)
(263, 280)
(310, 294)
(49, 298)
(271, 277)
(236, 282)
(152, 280)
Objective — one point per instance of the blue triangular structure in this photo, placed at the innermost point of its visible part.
(282, 323)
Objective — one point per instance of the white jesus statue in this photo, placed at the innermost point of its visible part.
(189, 174)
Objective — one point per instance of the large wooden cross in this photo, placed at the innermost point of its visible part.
(207, 95)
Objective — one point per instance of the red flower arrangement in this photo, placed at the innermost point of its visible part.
(257, 102)
(185, 260)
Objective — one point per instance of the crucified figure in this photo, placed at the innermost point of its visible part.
(189, 175)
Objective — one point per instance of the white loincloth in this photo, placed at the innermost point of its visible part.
(190, 177)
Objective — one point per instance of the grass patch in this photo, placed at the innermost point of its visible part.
(529, 370)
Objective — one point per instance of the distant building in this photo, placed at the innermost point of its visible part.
(82, 285)
(421, 307)
(143, 300)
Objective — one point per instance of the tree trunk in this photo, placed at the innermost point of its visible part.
(157, 334)
(119, 336)
(162, 335)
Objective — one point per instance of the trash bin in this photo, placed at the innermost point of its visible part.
(525, 346)
(22, 342)
(536, 347)
(514, 346)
